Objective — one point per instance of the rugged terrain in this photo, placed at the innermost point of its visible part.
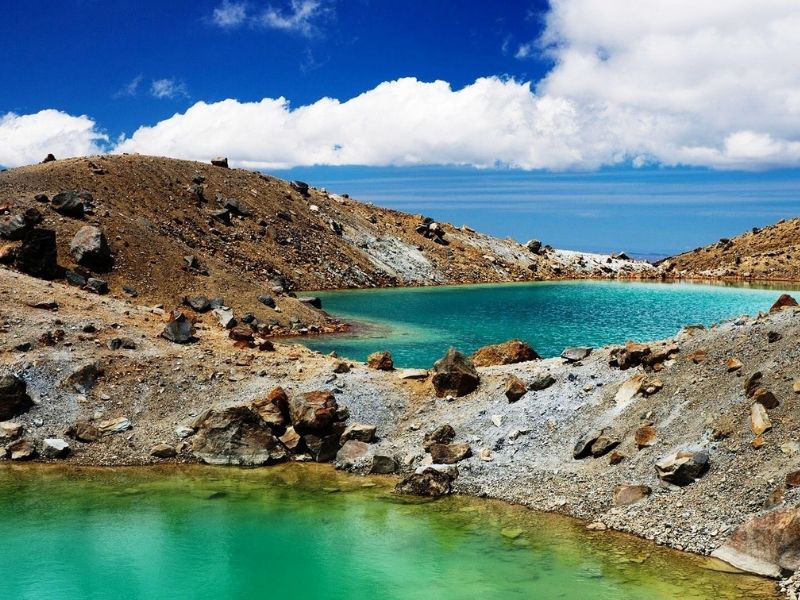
(762, 254)
(688, 392)
(246, 234)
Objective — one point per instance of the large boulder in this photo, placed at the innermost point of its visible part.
(38, 256)
(507, 353)
(21, 449)
(575, 354)
(454, 374)
(595, 443)
(90, 248)
(682, 468)
(323, 448)
(313, 412)
(69, 204)
(449, 454)
(625, 495)
(359, 432)
(784, 301)
(768, 544)
(353, 455)
(515, 388)
(431, 482)
(236, 436)
(179, 329)
(441, 435)
(380, 361)
(274, 409)
(55, 448)
(14, 399)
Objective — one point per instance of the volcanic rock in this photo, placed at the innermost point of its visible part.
(510, 352)
(380, 361)
(454, 374)
(14, 399)
(90, 248)
(236, 436)
(682, 468)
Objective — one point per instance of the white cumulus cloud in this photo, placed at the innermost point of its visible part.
(229, 15)
(301, 17)
(668, 82)
(26, 139)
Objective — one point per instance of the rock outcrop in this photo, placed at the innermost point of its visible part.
(454, 374)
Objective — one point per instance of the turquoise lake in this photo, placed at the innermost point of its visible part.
(308, 532)
(417, 325)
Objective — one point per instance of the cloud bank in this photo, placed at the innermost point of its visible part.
(673, 82)
(26, 139)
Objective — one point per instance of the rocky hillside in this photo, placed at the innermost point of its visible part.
(168, 229)
(770, 253)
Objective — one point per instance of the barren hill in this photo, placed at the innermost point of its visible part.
(180, 228)
(769, 253)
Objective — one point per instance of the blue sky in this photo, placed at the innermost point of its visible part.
(590, 124)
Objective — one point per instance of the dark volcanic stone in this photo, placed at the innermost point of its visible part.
(68, 204)
(14, 399)
(38, 255)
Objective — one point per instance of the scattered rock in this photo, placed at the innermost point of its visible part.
(448, 454)
(540, 380)
(383, 465)
(323, 448)
(534, 246)
(225, 316)
(267, 300)
(312, 301)
(628, 390)
(111, 426)
(274, 409)
(198, 304)
(236, 436)
(733, 364)
(55, 448)
(352, 454)
(698, 356)
(163, 451)
(784, 301)
(454, 374)
(21, 449)
(773, 336)
(85, 431)
(682, 468)
(119, 342)
(759, 421)
(96, 286)
(359, 432)
(510, 352)
(220, 161)
(515, 388)
(14, 399)
(37, 256)
(625, 495)
(69, 204)
(313, 412)
(766, 398)
(752, 383)
(90, 249)
(291, 439)
(645, 436)
(179, 329)
(380, 361)
(9, 430)
(768, 545)
(575, 354)
(441, 435)
(431, 482)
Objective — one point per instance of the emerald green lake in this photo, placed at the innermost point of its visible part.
(417, 325)
(308, 532)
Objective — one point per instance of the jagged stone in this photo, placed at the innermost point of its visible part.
(14, 398)
(507, 353)
(163, 451)
(540, 380)
(454, 374)
(274, 409)
(21, 449)
(90, 248)
(37, 256)
(313, 412)
(359, 432)
(236, 436)
(111, 426)
(441, 435)
(383, 465)
(220, 161)
(515, 388)
(784, 301)
(766, 398)
(431, 482)
(179, 329)
(683, 468)
(84, 431)
(625, 495)
(312, 301)
(645, 436)
(575, 354)
(759, 421)
(380, 361)
(55, 448)
(199, 304)
(448, 454)
(767, 544)
(69, 204)
(752, 383)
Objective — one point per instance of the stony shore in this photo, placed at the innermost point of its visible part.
(102, 363)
